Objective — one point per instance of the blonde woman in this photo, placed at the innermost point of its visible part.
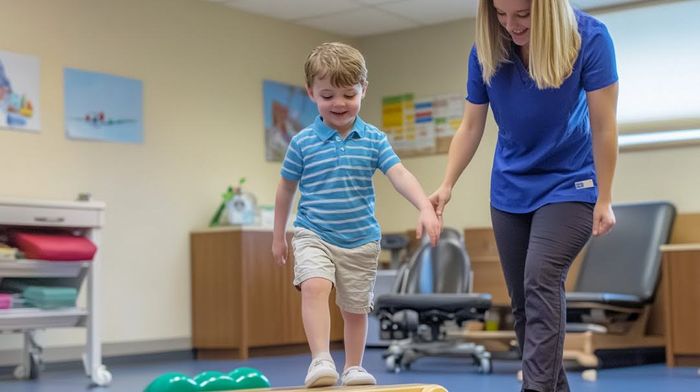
(548, 73)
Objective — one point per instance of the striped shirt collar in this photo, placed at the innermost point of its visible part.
(324, 132)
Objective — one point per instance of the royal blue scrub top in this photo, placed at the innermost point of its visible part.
(544, 151)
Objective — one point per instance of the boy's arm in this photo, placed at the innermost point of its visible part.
(409, 187)
(283, 204)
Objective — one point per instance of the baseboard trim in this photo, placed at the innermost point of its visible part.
(161, 349)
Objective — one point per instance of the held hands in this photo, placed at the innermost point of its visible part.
(279, 251)
(428, 223)
(439, 199)
(603, 218)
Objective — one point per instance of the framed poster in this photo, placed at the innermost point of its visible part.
(103, 107)
(19, 92)
(287, 109)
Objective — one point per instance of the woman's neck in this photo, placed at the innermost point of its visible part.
(524, 53)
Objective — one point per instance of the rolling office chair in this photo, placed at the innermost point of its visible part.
(432, 295)
(396, 244)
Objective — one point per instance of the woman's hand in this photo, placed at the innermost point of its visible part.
(603, 218)
(439, 199)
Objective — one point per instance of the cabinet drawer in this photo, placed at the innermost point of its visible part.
(49, 217)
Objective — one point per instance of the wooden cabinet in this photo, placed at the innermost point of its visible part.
(681, 270)
(242, 302)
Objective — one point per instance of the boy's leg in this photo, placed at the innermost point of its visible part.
(314, 274)
(316, 315)
(355, 335)
(356, 272)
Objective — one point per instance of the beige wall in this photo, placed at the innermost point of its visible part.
(202, 65)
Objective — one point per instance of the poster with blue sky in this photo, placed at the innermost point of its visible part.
(19, 92)
(103, 107)
(287, 110)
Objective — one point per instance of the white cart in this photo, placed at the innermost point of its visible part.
(87, 218)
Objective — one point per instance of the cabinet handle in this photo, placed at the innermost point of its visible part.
(44, 219)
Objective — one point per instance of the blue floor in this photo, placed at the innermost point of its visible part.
(454, 374)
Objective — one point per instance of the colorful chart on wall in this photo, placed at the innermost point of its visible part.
(103, 107)
(398, 122)
(421, 126)
(287, 109)
(19, 92)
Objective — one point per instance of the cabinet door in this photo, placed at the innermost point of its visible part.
(292, 312)
(216, 290)
(266, 295)
(684, 268)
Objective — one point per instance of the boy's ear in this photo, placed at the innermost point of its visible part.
(310, 92)
(364, 88)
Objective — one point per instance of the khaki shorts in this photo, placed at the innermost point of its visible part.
(352, 271)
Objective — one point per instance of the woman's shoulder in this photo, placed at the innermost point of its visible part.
(589, 26)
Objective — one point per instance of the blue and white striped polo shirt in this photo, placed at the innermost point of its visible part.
(335, 180)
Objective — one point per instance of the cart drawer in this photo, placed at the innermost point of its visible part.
(49, 217)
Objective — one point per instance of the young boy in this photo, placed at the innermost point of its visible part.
(336, 237)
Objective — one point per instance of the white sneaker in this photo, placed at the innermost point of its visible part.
(357, 375)
(321, 373)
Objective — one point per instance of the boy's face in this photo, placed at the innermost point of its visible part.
(337, 105)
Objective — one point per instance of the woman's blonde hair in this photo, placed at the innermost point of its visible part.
(554, 41)
(344, 65)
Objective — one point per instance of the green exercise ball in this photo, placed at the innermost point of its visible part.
(221, 383)
(172, 382)
(249, 378)
(207, 375)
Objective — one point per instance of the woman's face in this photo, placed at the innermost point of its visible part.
(514, 16)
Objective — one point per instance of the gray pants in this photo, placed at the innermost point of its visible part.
(536, 250)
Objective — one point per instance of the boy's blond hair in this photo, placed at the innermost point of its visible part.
(554, 41)
(344, 65)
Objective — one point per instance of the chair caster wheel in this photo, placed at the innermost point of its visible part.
(392, 364)
(590, 375)
(485, 366)
(20, 373)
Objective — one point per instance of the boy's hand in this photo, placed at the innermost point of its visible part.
(279, 251)
(429, 222)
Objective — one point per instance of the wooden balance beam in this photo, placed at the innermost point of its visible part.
(366, 388)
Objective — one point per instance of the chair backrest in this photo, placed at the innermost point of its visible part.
(627, 260)
(442, 269)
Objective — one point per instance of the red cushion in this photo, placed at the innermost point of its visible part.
(54, 247)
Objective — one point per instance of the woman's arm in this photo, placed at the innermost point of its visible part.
(602, 106)
(462, 149)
